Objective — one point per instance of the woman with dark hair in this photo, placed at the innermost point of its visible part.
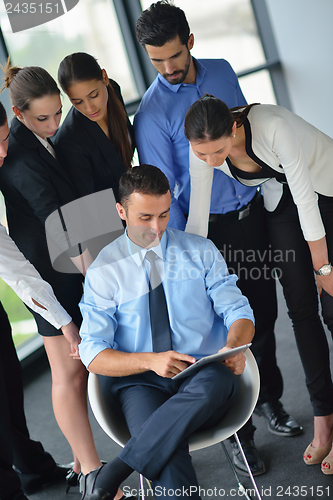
(95, 141)
(35, 185)
(291, 159)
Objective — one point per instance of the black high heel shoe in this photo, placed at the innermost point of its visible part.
(71, 480)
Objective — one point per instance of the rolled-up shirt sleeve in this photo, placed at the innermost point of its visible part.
(228, 301)
(98, 311)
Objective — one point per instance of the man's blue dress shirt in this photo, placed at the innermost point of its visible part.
(160, 138)
(202, 297)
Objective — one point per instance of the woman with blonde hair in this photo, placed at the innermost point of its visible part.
(35, 185)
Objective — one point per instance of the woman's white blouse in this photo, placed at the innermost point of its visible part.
(27, 283)
(289, 145)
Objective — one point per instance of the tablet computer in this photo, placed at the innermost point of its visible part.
(220, 356)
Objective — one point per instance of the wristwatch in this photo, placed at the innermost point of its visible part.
(325, 270)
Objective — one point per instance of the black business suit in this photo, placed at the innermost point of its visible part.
(35, 185)
(90, 158)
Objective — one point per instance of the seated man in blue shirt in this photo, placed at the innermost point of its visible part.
(237, 220)
(141, 345)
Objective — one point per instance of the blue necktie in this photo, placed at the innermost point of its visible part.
(159, 318)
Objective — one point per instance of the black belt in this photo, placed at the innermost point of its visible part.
(240, 214)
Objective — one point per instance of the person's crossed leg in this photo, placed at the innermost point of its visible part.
(161, 414)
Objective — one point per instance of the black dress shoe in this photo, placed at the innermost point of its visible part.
(31, 483)
(279, 422)
(19, 495)
(257, 466)
(87, 487)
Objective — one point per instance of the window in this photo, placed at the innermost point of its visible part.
(22, 322)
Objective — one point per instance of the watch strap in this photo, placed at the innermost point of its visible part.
(320, 272)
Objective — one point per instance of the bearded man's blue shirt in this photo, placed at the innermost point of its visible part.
(161, 141)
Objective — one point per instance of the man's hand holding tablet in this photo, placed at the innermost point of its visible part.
(233, 358)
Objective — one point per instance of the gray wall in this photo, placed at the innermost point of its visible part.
(304, 36)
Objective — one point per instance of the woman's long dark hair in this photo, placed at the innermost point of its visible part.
(210, 118)
(82, 67)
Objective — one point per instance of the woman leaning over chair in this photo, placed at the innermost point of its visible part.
(269, 145)
(35, 185)
(96, 140)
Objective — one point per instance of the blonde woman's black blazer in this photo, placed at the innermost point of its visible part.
(34, 185)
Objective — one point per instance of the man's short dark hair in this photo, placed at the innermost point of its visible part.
(144, 179)
(3, 115)
(160, 23)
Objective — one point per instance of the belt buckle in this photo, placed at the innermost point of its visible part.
(244, 213)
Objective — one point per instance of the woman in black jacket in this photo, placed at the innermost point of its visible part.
(96, 140)
(35, 185)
